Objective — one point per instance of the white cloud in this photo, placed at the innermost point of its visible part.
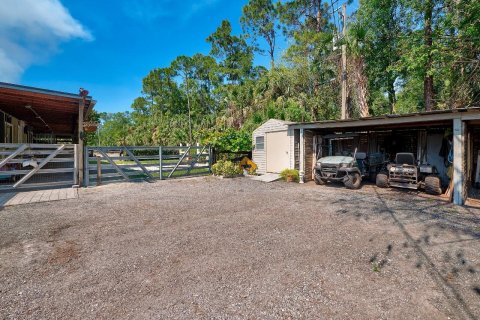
(30, 31)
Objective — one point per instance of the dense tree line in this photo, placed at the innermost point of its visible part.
(402, 56)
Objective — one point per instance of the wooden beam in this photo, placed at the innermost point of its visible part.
(81, 107)
(99, 171)
(75, 166)
(53, 96)
(383, 121)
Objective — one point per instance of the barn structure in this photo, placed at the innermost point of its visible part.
(41, 136)
(443, 138)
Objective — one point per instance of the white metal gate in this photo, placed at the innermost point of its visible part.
(37, 165)
(119, 163)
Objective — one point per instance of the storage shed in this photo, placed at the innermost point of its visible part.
(273, 146)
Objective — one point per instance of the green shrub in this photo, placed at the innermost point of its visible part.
(217, 168)
(226, 169)
(290, 175)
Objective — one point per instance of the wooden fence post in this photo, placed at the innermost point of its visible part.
(99, 171)
(160, 160)
(81, 145)
(210, 159)
(75, 165)
(84, 158)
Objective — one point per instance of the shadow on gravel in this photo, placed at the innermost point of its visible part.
(420, 211)
(436, 224)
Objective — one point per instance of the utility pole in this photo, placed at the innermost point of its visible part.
(345, 114)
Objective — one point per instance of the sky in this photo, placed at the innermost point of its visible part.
(105, 46)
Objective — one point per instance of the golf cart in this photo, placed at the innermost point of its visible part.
(406, 173)
(350, 169)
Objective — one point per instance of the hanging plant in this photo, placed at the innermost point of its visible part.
(90, 126)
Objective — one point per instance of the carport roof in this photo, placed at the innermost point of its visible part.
(58, 109)
(437, 117)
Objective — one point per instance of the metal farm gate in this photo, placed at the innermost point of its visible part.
(37, 165)
(111, 164)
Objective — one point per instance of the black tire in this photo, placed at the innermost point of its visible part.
(318, 180)
(382, 180)
(354, 181)
(433, 185)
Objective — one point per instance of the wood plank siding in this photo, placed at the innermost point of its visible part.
(309, 155)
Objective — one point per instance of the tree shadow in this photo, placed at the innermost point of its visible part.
(434, 224)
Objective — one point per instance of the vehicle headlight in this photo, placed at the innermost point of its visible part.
(344, 165)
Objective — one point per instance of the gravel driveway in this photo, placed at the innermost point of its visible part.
(236, 249)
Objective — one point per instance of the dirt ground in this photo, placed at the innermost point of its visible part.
(236, 249)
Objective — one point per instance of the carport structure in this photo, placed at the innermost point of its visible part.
(435, 137)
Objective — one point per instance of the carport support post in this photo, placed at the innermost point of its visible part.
(302, 155)
(458, 163)
(81, 107)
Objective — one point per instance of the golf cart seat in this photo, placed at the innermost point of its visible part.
(361, 158)
(361, 155)
(405, 158)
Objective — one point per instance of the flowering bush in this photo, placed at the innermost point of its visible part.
(226, 169)
(290, 175)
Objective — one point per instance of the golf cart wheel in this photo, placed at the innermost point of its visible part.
(382, 180)
(354, 181)
(318, 180)
(433, 185)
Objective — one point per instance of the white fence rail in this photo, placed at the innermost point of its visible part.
(35, 165)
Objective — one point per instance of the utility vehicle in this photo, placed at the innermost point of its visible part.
(405, 172)
(350, 170)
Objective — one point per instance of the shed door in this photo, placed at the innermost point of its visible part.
(277, 147)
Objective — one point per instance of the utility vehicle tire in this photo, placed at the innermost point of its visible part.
(354, 182)
(318, 180)
(382, 180)
(433, 185)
